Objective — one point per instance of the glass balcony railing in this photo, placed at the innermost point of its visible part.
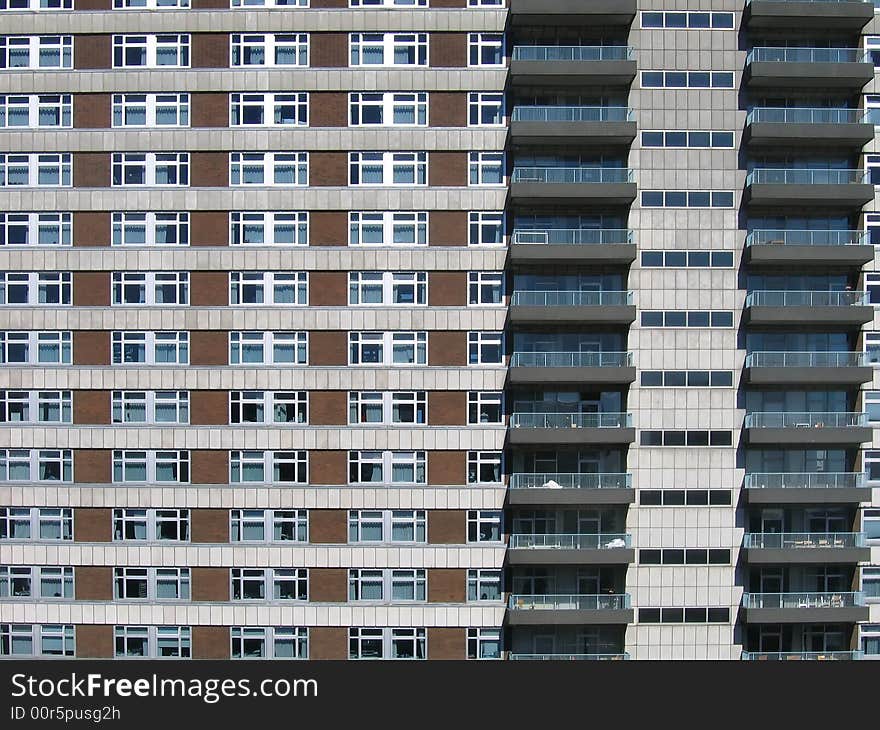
(573, 236)
(575, 602)
(830, 2)
(571, 420)
(805, 540)
(571, 298)
(806, 360)
(572, 175)
(807, 238)
(571, 359)
(573, 53)
(805, 480)
(804, 176)
(804, 115)
(803, 600)
(570, 481)
(572, 114)
(802, 655)
(568, 657)
(562, 541)
(805, 420)
(807, 299)
(807, 55)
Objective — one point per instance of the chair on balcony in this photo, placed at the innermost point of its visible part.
(837, 601)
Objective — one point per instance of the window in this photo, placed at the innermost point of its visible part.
(384, 288)
(150, 229)
(389, 586)
(150, 4)
(36, 582)
(687, 79)
(290, 169)
(137, 169)
(870, 586)
(33, 640)
(153, 467)
(279, 288)
(686, 378)
(155, 642)
(289, 642)
(691, 20)
(686, 438)
(484, 585)
(169, 50)
(270, 49)
(150, 348)
(269, 229)
(485, 168)
(37, 289)
(150, 406)
(151, 525)
(36, 5)
(872, 405)
(485, 49)
(280, 525)
(687, 199)
(36, 52)
(35, 348)
(387, 229)
(387, 348)
(151, 110)
(484, 643)
(681, 318)
(154, 584)
(485, 287)
(150, 288)
(679, 556)
(679, 497)
(872, 347)
(36, 465)
(485, 229)
(392, 526)
(483, 525)
(486, 109)
(269, 3)
(269, 110)
(388, 168)
(871, 517)
(872, 286)
(257, 406)
(268, 348)
(36, 406)
(690, 259)
(387, 643)
(388, 109)
(485, 407)
(274, 584)
(388, 49)
(682, 138)
(485, 348)
(684, 615)
(36, 170)
(36, 523)
(36, 229)
(388, 408)
(484, 467)
(268, 467)
(392, 467)
(387, 3)
(36, 111)
(872, 109)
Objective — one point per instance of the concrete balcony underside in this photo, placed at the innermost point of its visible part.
(770, 254)
(572, 73)
(844, 316)
(539, 496)
(604, 253)
(597, 375)
(807, 375)
(560, 617)
(851, 195)
(623, 314)
(776, 15)
(798, 75)
(806, 556)
(582, 134)
(570, 436)
(570, 556)
(528, 13)
(771, 134)
(807, 495)
(808, 436)
(580, 194)
(844, 615)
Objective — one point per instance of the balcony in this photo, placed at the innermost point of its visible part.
(806, 488)
(602, 186)
(808, 248)
(531, 610)
(766, 548)
(582, 126)
(563, 549)
(579, 66)
(571, 429)
(572, 307)
(822, 15)
(807, 429)
(806, 188)
(799, 68)
(544, 489)
(529, 13)
(574, 246)
(801, 655)
(789, 608)
(569, 657)
(569, 368)
(807, 127)
(807, 308)
(807, 368)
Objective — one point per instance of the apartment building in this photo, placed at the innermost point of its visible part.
(439, 329)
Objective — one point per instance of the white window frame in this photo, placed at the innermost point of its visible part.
(387, 403)
(240, 46)
(267, 283)
(174, 164)
(270, 106)
(38, 518)
(479, 517)
(61, 106)
(481, 102)
(477, 461)
(124, 224)
(268, 341)
(391, 223)
(271, 165)
(152, 577)
(36, 636)
(151, 518)
(268, 223)
(478, 578)
(388, 343)
(387, 285)
(36, 165)
(37, 285)
(269, 462)
(481, 283)
(245, 4)
(482, 43)
(267, 403)
(478, 399)
(153, 402)
(18, 6)
(416, 461)
(269, 578)
(150, 283)
(478, 341)
(272, 638)
(480, 222)
(125, 104)
(414, 520)
(57, 46)
(37, 577)
(480, 642)
(871, 347)
(387, 580)
(150, 4)
(33, 225)
(178, 342)
(269, 519)
(153, 460)
(152, 43)
(154, 637)
(36, 343)
(390, 638)
(33, 460)
(388, 4)
(387, 103)
(415, 44)
(413, 165)
(483, 167)
(32, 404)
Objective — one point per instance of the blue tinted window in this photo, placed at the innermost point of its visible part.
(676, 139)
(699, 80)
(722, 20)
(652, 319)
(676, 79)
(652, 139)
(698, 378)
(652, 79)
(676, 20)
(722, 200)
(652, 20)
(723, 79)
(698, 199)
(652, 198)
(652, 378)
(676, 319)
(698, 319)
(722, 258)
(652, 258)
(674, 378)
(722, 319)
(676, 258)
(699, 139)
(698, 20)
(698, 258)
(722, 139)
(722, 378)
(676, 199)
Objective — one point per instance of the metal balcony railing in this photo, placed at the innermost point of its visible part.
(805, 480)
(749, 2)
(572, 114)
(837, 599)
(573, 236)
(571, 298)
(771, 419)
(568, 657)
(571, 359)
(807, 299)
(807, 55)
(804, 176)
(572, 175)
(570, 481)
(807, 238)
(566, 602)
(804, 115)
(806, 360)
(562, 541)
(573, 53)
(802, 655)
(805, 540)
(571, 420)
